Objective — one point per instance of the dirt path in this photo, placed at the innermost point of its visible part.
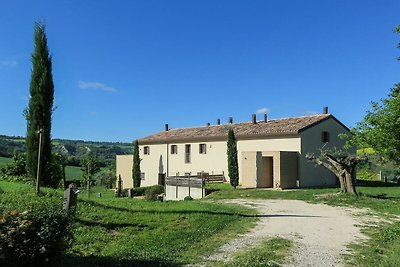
(320, 232)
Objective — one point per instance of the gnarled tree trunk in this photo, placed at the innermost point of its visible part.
(342, 165)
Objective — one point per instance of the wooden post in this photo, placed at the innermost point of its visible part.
(39, 162)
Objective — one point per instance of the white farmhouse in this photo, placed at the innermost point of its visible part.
(271, 153)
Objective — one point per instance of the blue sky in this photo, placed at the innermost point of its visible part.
(124, 68)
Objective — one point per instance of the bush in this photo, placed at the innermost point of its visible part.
(32, 229)
(12, 178)
(152, 192)
(188, 198)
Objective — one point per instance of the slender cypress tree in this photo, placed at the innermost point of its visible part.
(39, 111)
(233, 169)
(136, 165)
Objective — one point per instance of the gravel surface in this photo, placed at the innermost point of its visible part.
(320, 232)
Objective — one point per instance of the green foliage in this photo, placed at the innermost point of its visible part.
(379, 129)
(57, 170)
(40, 108)
(367, 175)
(16, 167)
(233, 166)
(89, 168)
(152, 192)
(106, 178)
(32, 229)
(136, 165)
(188, 198)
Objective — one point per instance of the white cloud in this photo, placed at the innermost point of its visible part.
(8, 63)
(96, 86)
(263, 111)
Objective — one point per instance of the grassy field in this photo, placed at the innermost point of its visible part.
(73, 173)
(4, 161)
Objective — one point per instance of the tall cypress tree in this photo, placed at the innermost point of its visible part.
(39, 111)
(136, 165)
(233, 166)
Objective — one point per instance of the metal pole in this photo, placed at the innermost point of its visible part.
(39, 162)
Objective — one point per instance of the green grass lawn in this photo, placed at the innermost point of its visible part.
(123, 232)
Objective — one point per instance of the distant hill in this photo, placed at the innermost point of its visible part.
(73, 150)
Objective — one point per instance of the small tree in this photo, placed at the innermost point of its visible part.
(342, 164)
(233, 169)
(89, 167)
(136, 165)
(16, 167)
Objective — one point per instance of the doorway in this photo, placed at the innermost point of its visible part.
(267, 172)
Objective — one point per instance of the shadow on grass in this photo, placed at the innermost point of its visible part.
(104, 261)
(110, 226)
(99, 205)
(365, 183)
(382, 196)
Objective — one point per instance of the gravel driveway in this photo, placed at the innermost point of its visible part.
(320, 232)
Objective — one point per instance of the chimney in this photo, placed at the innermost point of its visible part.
(325, 110)
(254, 118)
(230, 120)
(208, 124)
(218, 121)
(265, 117)
(166, 127)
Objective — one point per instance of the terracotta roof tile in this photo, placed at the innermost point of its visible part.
(285, 126)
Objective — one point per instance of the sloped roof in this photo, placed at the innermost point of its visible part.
(273, 127)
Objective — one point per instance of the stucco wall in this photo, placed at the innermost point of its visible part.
(124, 168)
(153, 164)
(311, 175)
(288, 169)
(213, 162)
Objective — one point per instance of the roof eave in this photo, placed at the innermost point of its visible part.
(218, 138)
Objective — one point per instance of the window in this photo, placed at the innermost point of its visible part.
(146, 150)
(202, 149)
(187, 153)
(142, 176)
(174, 149)
(325, 137)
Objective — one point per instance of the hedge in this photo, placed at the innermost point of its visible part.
(33, 229)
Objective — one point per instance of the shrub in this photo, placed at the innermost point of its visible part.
(188, 198)
(13, 178)
(152, 192)
(32, 229)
